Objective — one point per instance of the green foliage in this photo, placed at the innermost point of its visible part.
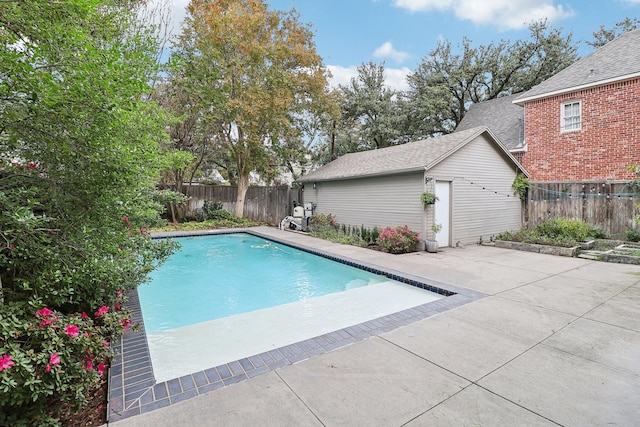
(249, 82)
(336, 236)
(79, 159)
(234, 222)
(428, 198)
(604, 35)
(51, 354)
(557, 232)
(214, 211)
(324, 226)
(449, 80)
(633, 235)
(323, 221)
(370, 112)
(399, 240)
(520, 186)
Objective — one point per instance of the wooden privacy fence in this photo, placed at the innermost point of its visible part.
(610, 206)
(267, 204)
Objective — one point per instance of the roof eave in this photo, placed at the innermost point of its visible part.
(302, 180)
(522, 101)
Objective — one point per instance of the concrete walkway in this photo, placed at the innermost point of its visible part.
(556, 342)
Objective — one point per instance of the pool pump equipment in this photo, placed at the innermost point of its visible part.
(301, 219)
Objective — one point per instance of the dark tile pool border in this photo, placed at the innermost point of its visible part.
(132, 386)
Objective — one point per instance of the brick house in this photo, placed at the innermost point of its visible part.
(582, 124)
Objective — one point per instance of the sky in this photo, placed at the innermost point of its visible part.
(400, 33)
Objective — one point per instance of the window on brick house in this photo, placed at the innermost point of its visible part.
(570, 116)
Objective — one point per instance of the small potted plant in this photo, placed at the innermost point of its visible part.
(428, 198)
(432, 245)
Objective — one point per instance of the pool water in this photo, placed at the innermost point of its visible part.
(213, 277)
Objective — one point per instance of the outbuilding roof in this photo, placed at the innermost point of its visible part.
(409, 157)
(502, 116)
(615, 61)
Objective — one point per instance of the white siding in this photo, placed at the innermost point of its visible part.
(386, 201)
(478, 212)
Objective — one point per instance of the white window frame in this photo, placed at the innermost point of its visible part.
(569, 123)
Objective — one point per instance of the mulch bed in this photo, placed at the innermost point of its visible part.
(94, 414)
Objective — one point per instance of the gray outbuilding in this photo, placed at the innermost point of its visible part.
(470, 172)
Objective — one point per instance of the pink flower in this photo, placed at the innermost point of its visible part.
(5, 362)
(72, 330)
(119, 294)
(84, 315)
(44, 312)
(12, 246)
(32, 165)
(106, 343)
(125, 219)
(125, 323)
(54, 359)
(89, 365)
(48, 368)
(100, 368)
(102, 311)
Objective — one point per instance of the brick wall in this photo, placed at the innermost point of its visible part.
(608, 142)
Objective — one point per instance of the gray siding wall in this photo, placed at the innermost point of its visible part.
(478, 212)
(386, 201)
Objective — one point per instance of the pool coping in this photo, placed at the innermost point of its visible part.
(133, 389)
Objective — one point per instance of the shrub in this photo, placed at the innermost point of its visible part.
(214, 211)
(572, 229)
(556, 232)
(633, 235)
(323, 221)
(48, 356)
(397, 240)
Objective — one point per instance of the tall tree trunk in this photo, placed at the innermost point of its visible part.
(243, 186)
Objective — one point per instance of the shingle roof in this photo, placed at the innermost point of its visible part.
(617, 60)
(502, 116)
(408, 157)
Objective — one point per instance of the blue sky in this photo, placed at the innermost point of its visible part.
(401, 32)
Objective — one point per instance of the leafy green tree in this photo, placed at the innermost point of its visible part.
(605, 35)
(448, 81)
(370, 112)
(253, 74)
(79, 160)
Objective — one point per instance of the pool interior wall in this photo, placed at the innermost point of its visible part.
(133, 388)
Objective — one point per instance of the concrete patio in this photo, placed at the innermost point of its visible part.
(555, 342)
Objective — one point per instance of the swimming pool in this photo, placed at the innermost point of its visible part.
(226, 297)
(136, 385)
(212, 277)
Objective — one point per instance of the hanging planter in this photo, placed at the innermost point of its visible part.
(428, 198)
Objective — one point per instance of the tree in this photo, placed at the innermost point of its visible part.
(370, 112)
(604, 36)
(446, 83)
(79, 159)
(253, 75)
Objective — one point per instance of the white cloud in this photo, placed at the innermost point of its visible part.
(395, 78)
(506, 14)
(341, 75)
(386, 50)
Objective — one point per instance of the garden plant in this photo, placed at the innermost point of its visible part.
(80, 154)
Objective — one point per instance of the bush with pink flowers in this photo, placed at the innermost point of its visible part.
(399, 240)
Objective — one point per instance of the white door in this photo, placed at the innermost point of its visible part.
(443, 191)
